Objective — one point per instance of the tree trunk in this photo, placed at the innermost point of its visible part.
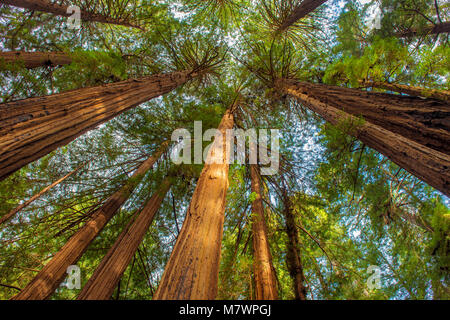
(429, 165)
(294, 260)
(439, 28)
(32, 128)
(61, 10)
(305, 8)
(14, 211)
(36, 59)
(107, 275)
(192, 271)
(48, 279)
(410, 90)
(426, 121)
(265, 278)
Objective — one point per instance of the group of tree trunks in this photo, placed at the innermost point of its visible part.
(35, 59)
(411, 131)
(63, 11)
(32, 128)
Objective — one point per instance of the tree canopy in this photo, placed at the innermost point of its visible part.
(352, 207)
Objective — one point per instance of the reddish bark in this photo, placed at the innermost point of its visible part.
(36, 59)
(192, 271)
(107, 275)
(427, 164)
(32, 128)
(61, 10)
(264, 272)
(305, 8)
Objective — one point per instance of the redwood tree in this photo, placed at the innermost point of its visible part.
(264, 272)
(36, 59)
(294, 260)
(32, 128)
(17, 209)
(62, 10)
(414, 136)
(49, 278)
(102, 283)
(192, 271)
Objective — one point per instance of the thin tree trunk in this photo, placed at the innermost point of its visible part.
(48, 279)
(32, 128)
(192, 271)
(426, 121)
(411, 90)
(36, 59)
(439, 28)
(305, 8)
(429, 165)
(107, 275)
(294, 260)
(61, 10)
(265, 279)
(14, 211)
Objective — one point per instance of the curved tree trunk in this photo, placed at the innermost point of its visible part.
(192, 271)
(411, 90)
(294, 260)
(35, 59)
(426, 121)
(32, 128)
(14, 211)
(429, 165)
(305, 8)
(48, 279)
(107, 275)
(61, 10)
(264, 272)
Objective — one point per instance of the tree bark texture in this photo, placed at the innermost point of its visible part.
(32, 128)
(427, 164)
(48, 279)
(192, 271)
(264, 272)
(107, 275)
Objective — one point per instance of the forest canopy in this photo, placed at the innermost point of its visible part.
(93, 205)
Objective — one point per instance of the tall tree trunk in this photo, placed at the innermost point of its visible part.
(61, 10)
(192, 271)
(439, 28)
(32, 128)
(48, 279)
(305, 8)
(14, 211)
(35, 59)
(265, 278)
(426, 121)
(294, 260)
(410, 90)
(429, 165)
(107, 275)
